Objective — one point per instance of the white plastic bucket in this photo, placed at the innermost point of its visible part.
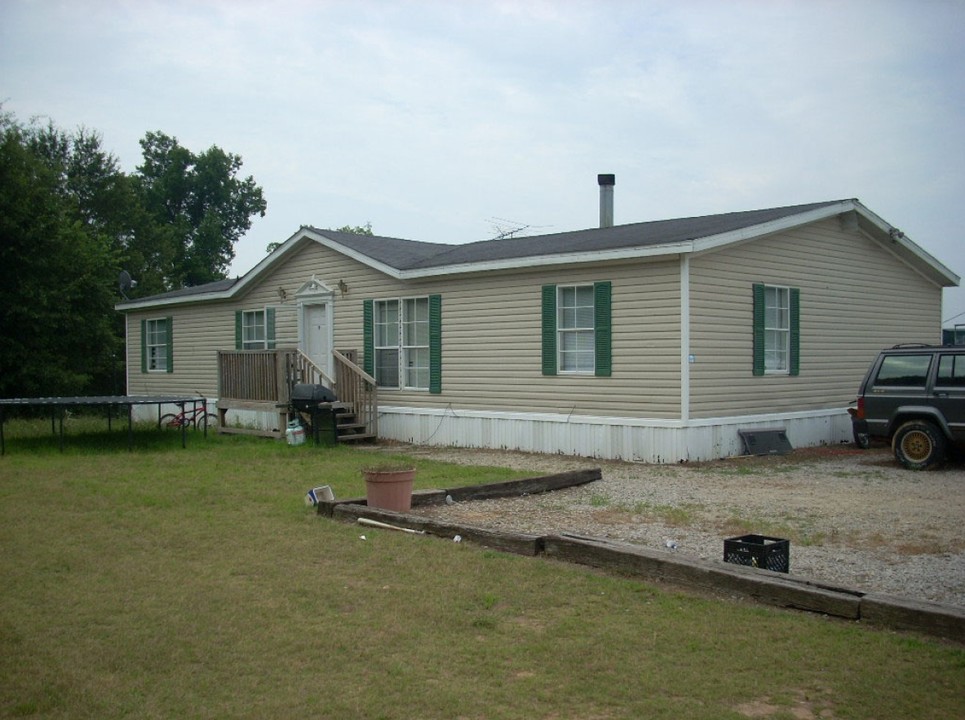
(320, 494)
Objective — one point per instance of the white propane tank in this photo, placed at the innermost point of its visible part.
(295, 434)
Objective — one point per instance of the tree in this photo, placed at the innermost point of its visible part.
(196, 209)
(354, 229)
(58, 261)
(70, 220)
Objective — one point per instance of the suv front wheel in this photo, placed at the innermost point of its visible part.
(919, 445)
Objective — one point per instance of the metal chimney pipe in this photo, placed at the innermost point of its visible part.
(606, 199)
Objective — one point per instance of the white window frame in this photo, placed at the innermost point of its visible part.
(156, 344)
(777, 330)
(407, 337)
(573, 355)
(250, 324)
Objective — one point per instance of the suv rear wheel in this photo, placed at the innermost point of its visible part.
(919, 445)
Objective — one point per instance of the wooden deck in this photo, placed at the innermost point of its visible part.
(262, 380)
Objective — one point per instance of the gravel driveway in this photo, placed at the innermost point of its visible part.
(855, 518)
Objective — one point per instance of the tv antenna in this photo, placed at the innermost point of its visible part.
(504, 228)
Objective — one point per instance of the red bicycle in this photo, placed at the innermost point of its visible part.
(195, 416)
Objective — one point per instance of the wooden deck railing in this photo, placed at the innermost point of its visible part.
(253, 375)
(266, 375)
(262, 380)
(355, 386)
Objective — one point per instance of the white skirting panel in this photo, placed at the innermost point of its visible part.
(632, 439)
(250, 419)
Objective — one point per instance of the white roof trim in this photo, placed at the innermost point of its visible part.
(180, 300)
(321, 239)
(689, 246)
(540, 260)
(272, 258)
(786, 223)
(699, 245)
(904, 242)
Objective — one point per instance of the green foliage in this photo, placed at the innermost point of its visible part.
(200, 205)
(70, 220)
(356, 229)
(58, 261)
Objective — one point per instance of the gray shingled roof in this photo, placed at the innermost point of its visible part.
(394, 252)
(211, 287)
(411, 255)
(403, 255)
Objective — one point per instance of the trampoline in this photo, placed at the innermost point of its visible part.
(59, 405)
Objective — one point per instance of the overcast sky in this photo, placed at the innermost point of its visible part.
(450, 121)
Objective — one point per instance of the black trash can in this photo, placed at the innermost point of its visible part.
(324, 424)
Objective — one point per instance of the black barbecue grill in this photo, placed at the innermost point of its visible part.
(306, 397)
(315, 402)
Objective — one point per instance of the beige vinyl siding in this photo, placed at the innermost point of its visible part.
(491, 357)
(195, 339)
(846, 281)
(492, 345)
(491, 334)
(491, 329)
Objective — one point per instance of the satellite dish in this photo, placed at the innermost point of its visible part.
(125, 283)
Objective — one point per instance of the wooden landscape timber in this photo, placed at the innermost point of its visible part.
(526, 486)
(516, 543)
(719, 578)
(763, 586)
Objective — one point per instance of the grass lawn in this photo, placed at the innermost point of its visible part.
(195, 583)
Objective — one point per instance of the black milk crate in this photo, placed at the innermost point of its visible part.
(760, 551)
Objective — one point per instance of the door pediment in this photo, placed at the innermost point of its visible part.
(314, 289)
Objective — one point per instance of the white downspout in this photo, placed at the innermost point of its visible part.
(127, 354)
(685, 357)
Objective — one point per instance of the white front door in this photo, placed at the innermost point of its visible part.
(317, 336)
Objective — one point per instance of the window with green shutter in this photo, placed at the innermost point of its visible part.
(402, 341)
(157, 345)
(549, 329)
(255, 329)
(368, 337)
(577, 329)
(435, 344)
(603, 354)
(776, 330)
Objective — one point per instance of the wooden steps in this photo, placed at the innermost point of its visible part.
(348, 429)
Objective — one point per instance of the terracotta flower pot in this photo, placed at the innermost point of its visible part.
(389, 488)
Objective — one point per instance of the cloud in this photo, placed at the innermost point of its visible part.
(428, 118)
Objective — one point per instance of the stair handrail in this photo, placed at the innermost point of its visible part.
(357, 387)
(316, 373)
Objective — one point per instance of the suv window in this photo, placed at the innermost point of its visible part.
(951, 371)
(904, 370)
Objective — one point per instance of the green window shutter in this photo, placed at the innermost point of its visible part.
(238, 335)
(549, 329)
(435, 344)
(143, 346)
(758, 329)
(368, 337)
(270, 328)
(169, 322)
(602, 324)
(794, 361)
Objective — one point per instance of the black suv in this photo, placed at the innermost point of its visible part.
(914, 396)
